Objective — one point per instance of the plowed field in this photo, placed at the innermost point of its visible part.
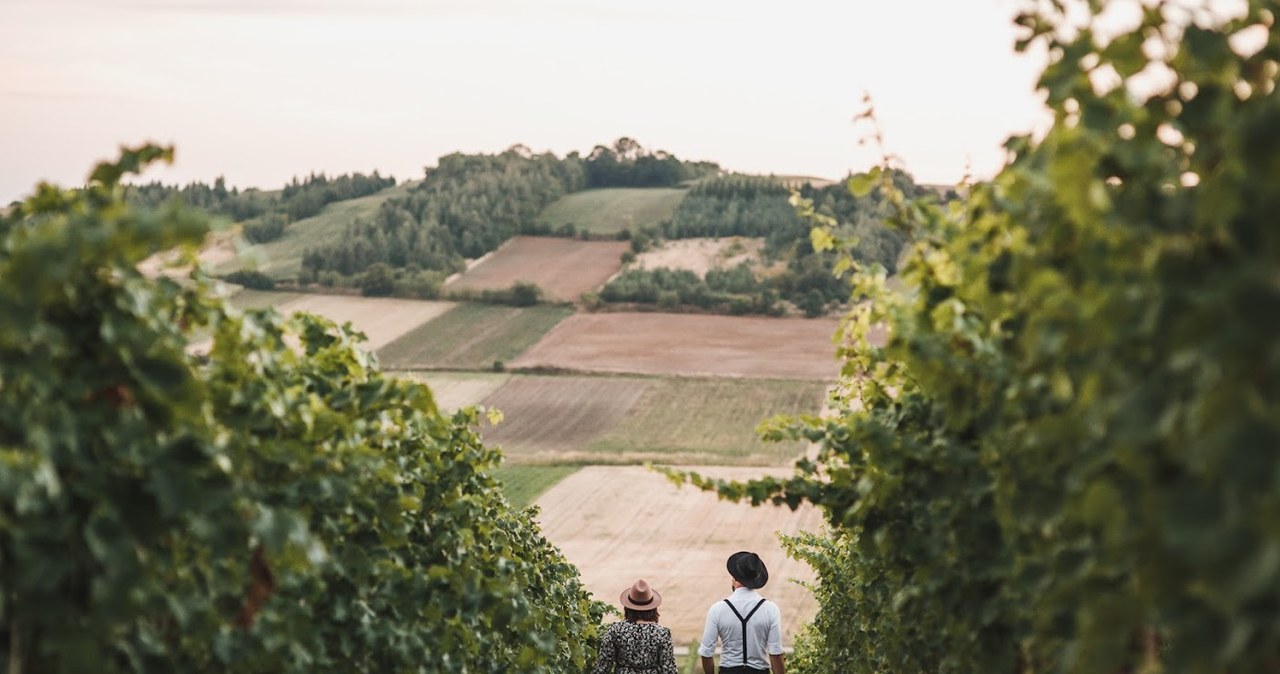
(621, 523)
(563, 268)
(690, 345)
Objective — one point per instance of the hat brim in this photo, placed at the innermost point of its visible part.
(625, 600)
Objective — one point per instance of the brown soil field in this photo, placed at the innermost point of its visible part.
(563, 268)
(701, 255)
(689, 344)
(381, 319)
(552, 416)
(617, 524)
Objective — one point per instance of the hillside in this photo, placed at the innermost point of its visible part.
(282, 258)
(612, 209)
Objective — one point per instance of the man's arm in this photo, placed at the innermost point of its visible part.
(707, 647)
(774, 643)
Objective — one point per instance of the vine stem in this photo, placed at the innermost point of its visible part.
(15, 648)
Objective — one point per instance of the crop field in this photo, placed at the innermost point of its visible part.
(700, 255)
(471, 336)
(282, 258)
(261, 299)
(562, 268)
(620, 523)
(455, 390)
(381, 319)
(546, 419)
(631, 420)
(611, 209)
(709, 421)
(524, 484)
(690, 345)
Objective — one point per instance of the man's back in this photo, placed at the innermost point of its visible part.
(748, 626)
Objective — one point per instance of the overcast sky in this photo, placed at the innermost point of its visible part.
(263, 90)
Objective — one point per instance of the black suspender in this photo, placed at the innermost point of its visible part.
(744, 625)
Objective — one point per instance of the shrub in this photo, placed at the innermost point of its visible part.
(377, 281)
(254, 280)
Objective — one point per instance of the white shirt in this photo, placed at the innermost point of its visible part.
(764, 630)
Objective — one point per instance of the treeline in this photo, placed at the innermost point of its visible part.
(757, 206)
(737, 205)
(265, 214)
(628, 164)
(465, 207)
(733, 291)
(305, 198)
(469, 205)
(217, 198)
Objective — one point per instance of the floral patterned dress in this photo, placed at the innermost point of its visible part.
(636, 648)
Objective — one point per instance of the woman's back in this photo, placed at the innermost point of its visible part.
(636, 648)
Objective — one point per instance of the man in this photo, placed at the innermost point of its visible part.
(748, 626)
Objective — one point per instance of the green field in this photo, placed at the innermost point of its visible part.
(259, 299)
(524, 484)
(471, 337)
(282, 258)
(694, 420)
(610, 210)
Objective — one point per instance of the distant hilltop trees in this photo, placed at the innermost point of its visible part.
(265, 214)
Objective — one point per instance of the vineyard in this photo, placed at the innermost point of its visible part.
(1042, 438)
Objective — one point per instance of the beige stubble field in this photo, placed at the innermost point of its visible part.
(617, 524)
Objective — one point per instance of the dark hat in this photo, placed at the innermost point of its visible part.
(640, 597)
(748, 569)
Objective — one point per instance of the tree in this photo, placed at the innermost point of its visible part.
(1064, 458)
(377, 281)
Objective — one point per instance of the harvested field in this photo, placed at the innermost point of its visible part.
(455, 390)
(690, 345)
(617, 524)
(612, 209)
(381, 319)
(562, 268)
(548, 417)
(701, 255)
(472, 336)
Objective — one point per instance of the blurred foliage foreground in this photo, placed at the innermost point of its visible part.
(1067, 456)
(273, 505)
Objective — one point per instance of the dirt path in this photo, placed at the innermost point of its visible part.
(617, 524)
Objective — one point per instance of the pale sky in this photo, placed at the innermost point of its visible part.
(263, 90)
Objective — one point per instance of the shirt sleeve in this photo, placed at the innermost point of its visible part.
(668, 654)
(707, 647)
(604, 662)
(774, 645)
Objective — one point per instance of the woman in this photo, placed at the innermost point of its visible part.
(638, 644)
